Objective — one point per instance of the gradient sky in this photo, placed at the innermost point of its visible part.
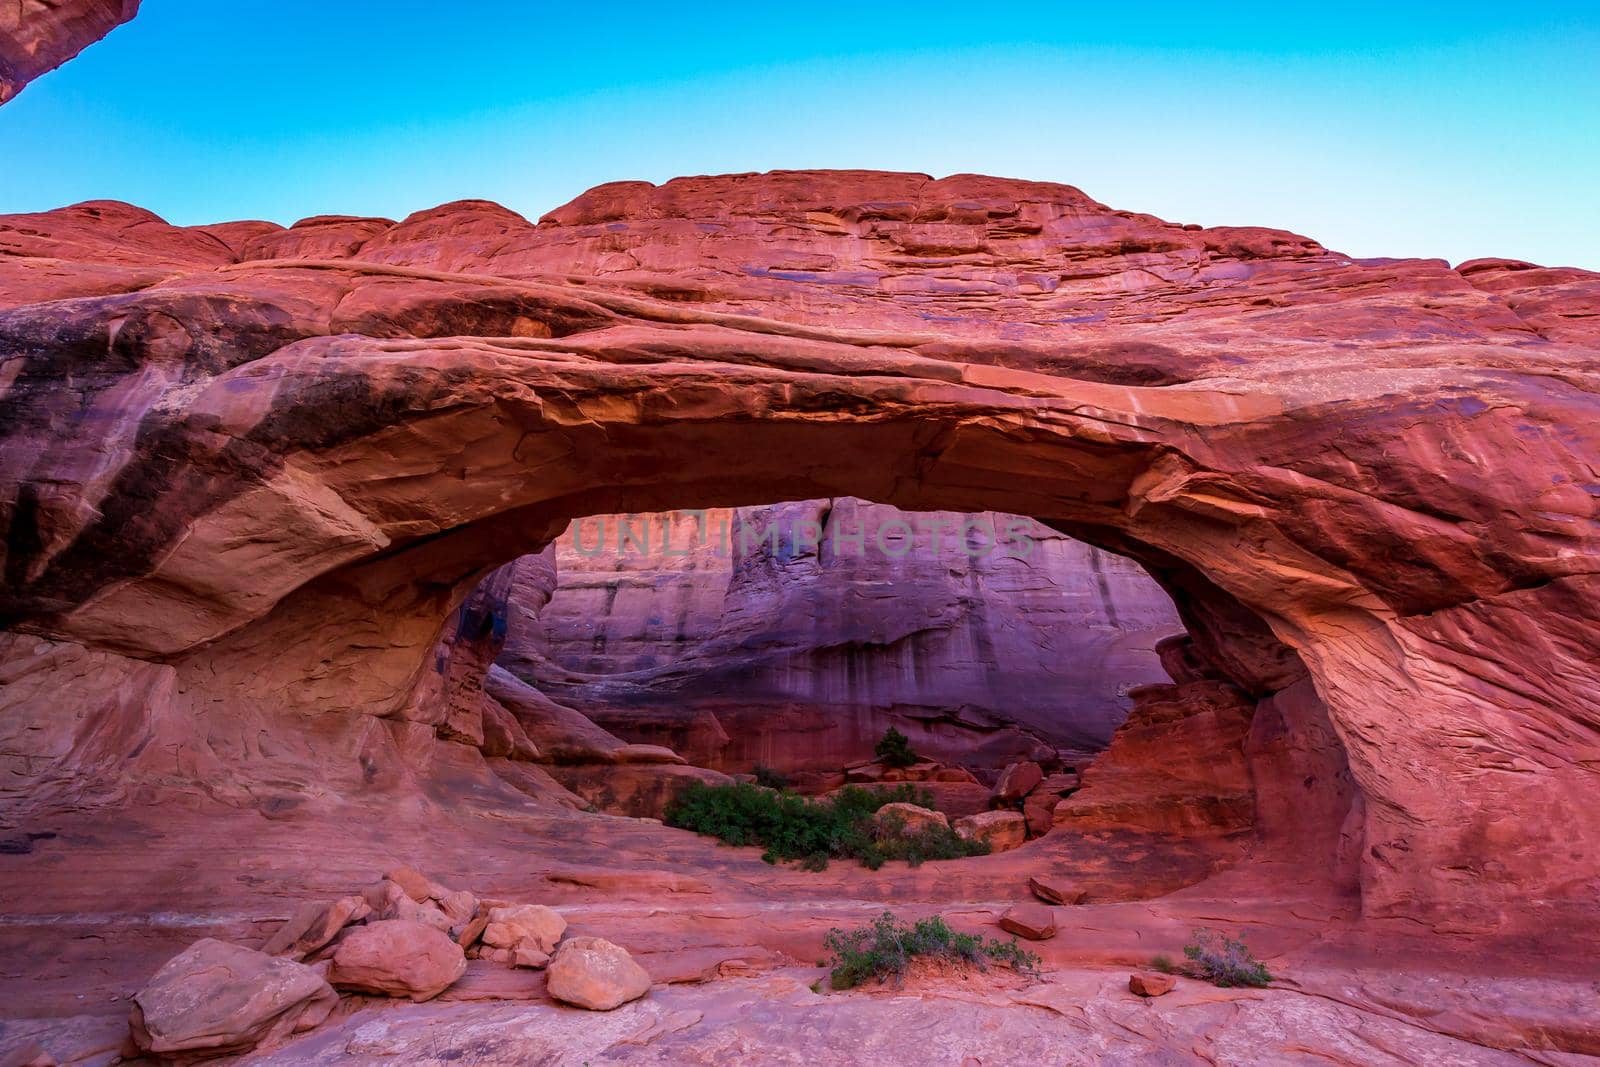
(1453, 130)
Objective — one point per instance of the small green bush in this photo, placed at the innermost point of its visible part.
(885, 950)
(894, 749)
(1224, 961)
(811, 832)
(1163, 963)
(769, 778)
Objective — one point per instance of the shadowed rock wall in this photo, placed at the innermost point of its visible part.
(794, 635)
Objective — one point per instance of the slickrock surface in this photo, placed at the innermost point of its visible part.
(253, 480)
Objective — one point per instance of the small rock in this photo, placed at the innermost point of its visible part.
(911, 817)
(1002, 830)
(1056, 890)
(399, 959)
(1148, 984)
(954, 774)
(469, 934)
(528, 956)
(593, 973)
(1032, 921)
(216, 998)
(525, 926)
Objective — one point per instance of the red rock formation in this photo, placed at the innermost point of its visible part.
(253, 490)
(36, 37)
(733, 638)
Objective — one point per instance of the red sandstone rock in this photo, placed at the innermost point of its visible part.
(594, 973)
(36, 38)
(1039, 806)
(313, 925)
(909, 818)
(416, 885)
(698, 640)
(1177, 765)
(1017, 781)
(1002, 830)
(397, 958)
(1145, 984)
(215, 998)
(640, 790)
(234, 545)
(1036, 922)
(1054, 890)
(530, 926)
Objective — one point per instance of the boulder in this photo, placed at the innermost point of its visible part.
(1054, 890)
(1150, 984)
(1001, 830)
(397, 958)
(909, 818)
(313, 925)
(216, 998)
(1033, 921)
(524, 926)
(1017, 781)
(594, 973)
(952, 774)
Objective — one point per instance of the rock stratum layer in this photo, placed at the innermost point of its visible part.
(248, 471)
(37, 36)
(793, 636)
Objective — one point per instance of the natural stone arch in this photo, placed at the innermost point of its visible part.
(329, 455)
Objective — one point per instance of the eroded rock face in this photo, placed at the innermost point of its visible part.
(254, 487)
(793, 636)
(36, 38)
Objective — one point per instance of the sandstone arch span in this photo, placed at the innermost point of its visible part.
(257, 466)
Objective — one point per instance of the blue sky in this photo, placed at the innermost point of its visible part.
(1452, 130)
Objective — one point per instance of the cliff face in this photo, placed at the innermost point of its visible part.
(247, 471)
(794, 635)
(37, 37)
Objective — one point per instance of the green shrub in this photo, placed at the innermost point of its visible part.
(790, 827)
(894, 749)
(1224, 961)
(769, 778)
(885, 950)
(1163, 963)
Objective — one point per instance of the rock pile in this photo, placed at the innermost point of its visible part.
(403, 936)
